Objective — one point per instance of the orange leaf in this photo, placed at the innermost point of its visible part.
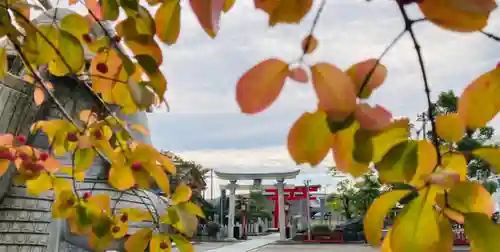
(94, 7)
(309, 139)
(208, 13)
(309, 44)
(100, 202)
(479, 102)
(458, 15)
(6, 139)
(228, 5)
(73, 2)
(259, 87)
(334, 89)
(39, 96)
(359, 73)
(140, 128)
(373, 118)
(139, 240)
(449, 127)
(299, 75)
(284, 11)
(4, 166)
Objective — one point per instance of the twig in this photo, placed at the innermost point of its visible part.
(491, 36)
(313, 27)
(409, 28)
(387, 49)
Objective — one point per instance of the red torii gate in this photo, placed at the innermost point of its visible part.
(290, 194)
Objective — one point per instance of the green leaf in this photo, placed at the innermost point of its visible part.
(84, 159)
(75, 24)
(168, 21)
(470, 197)
(374, 218)
(399, 164)
(131, 7)
(482, 232)
(110, 9)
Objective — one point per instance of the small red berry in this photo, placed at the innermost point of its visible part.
(72, 137)
(163, 245)
(23, 156)
(498, 64)
(102, 68)
(98, 134)
(87, 38)
(44, 156)
(115, 229)
(124, 217)
(136, 166)
(21, 139)
(86, 195)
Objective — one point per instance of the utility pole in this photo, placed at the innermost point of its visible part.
(211, 184)
(422, 118)
(308, 209)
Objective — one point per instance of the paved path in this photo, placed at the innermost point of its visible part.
(248, 245)
(328, 248)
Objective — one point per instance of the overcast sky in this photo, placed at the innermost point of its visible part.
(205, 125)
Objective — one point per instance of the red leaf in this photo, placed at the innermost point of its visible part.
(94, 7)
(208, 13)
(259, 87)
(299, 75)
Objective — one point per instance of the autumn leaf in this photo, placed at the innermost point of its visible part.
(458, 15)
(375, 216)
(416, 228)
(470, 197)
(490, 155)
(208, 13)
(259, 87)
(445, 178)
(309, 44)
(168, 21)
(299, 75)
(360, 72)
(309, 139)
(139, 240)
(343, 147)
(478, 103)
(75, 24)
(373, 118)
(482, 232)
(284, 11)
(334, 89)
(110, 10)
(94, 7)
(455, 162)
(399, 164)
(38, 96)
(228, 4)
(42, 183)
(182, 194)
(449, 127)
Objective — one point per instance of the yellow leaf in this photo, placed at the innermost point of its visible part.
(208, 13)
(187, 222)
(3, 63)
(427, 161)
(399, 164)
(4, 166)
(386, 244)
(136, 215)
(449, 127)
(39, 185)
(121, 178)
(374, 218)
(259, 87)
(228, 4)
(157, 241)
(359, 73)
(470, 197)
(479, 102)
(334, 89)
(100, 203)
(139, 240)
(445, 242)
(455, 162)
(75, 24)
(167, 164)
(161, 178)
(192, 208)
(182, 243)
(458, 15)
(284, 11)
(110, 9)
(343, 146)
(309, 139)
(182, 194)
(168, 21)
(482, 232)
(416, 227)
(490, 155)
(140, 128)
(145, 45)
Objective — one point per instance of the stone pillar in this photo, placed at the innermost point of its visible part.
(281, 208)
(232, 208)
